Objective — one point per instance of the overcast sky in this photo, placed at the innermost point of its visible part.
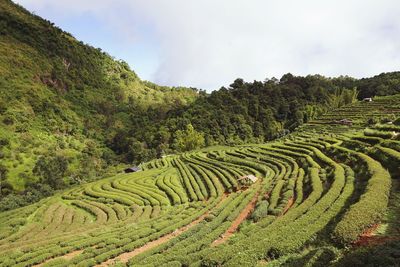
(209, 43)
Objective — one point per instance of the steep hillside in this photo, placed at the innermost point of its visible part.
(61, 100)
(306, 199)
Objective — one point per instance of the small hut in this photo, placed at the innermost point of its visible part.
(248, 179)
(132, 169)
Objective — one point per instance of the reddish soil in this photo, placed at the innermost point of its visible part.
(288, 206)
(369, 238)
(373, 240)
(66, 256)
(235, 224)
(370, 231)
(125, 257)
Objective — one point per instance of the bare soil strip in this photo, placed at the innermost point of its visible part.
(125, 257)
(128, 255)
(288, 205)
(368, 237)
(374, 240)
(239, 219)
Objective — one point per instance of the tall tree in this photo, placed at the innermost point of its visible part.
(51, 170)
(188, 139)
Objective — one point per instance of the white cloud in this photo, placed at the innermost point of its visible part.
(209, 43)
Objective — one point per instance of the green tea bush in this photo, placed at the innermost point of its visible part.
(371, 206)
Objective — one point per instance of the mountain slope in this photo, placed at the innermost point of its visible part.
(62, 98)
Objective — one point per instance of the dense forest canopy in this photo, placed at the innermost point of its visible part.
(71, 110)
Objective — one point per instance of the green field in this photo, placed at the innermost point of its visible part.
(318, 190)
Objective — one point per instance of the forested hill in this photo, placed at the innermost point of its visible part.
(258, 111)
(70, 113)
(60, 102)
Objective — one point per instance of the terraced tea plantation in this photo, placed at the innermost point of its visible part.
(304, 197)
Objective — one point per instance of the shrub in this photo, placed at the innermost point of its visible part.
(261, 211)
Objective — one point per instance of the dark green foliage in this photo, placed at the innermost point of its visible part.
(189, 139)
(64, 98)
(3, 178)
(380, 85)
(387, 254)
(51, 170)
(261, 211)
(371, 206)
(32, 194)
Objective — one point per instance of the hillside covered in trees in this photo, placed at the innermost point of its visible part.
(70, 113)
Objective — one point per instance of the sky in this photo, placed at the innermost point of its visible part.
(209, 43)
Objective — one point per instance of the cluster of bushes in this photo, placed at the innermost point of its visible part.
(256, 238)
(175, 193)
(289, 233)
(371, 206)
(196, 240)
(127, 190)
(107, 242)
(213, 183)
(388, 157)
(378, 133)
(261, 211)
(105, 210)
(191, 185)
(35, 192)
(284, 183)
(323, 188)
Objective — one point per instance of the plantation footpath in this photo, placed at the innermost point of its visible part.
(302, 198)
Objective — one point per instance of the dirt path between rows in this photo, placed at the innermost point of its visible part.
(288, 206)
(239, 219)
(66, 257)
(125, 257)
(373, 241)
(370, 238)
